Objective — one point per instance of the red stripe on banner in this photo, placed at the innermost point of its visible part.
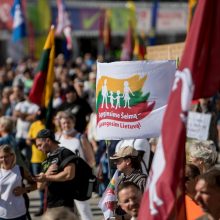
(133, 114)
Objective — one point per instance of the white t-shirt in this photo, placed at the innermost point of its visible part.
(11, 206)
(72, 144)
(22, 126)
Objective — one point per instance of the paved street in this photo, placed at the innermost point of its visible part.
(34, 206)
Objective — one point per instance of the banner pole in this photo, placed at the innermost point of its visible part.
(108, 143)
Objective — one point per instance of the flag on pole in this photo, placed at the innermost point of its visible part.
(107, 30)
(128, 45)
(41, 91)
(104, 33)
(130, 98)
(202, 49)
(164, 196)
(139, 47)
(19, 28)
(154, 15)
(191, 9)
(109, 197)
(64, 23)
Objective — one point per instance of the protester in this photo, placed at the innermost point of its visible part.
(203, 154)
(208, 194)
(25, 113)
(71, 139)
(78, 107)
(127, 162)
(12, 190)
(143, 148)
(193, 210)
(153, 144)
(129, 198)
(58, 182)
(15, 97)
(7, 137)
(37, 156)
(78, 144)
(90, 89)
(5, 101)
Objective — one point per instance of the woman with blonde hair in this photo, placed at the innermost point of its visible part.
(78, 144)
(6, 137)
(12, 189)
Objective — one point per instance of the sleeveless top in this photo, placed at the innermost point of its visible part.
(11, 206)
(72, 144)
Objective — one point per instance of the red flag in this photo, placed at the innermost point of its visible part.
(202, 49)
(107, 30)
(164, 195)
(64, 23)
(127, 47)
(104, 33)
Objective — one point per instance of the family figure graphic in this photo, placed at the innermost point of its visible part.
(126, 96)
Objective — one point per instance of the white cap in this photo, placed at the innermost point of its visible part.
(138, 144)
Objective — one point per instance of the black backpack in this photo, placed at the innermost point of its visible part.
(84, 182)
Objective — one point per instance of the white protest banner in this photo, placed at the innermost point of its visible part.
(198, 125)
(131, 98)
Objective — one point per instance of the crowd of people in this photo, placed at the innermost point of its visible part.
(30, 153)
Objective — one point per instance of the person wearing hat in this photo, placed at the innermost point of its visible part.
(127, 162)
(143, 148)
(58, 182)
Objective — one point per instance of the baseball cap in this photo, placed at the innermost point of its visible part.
(46, 133)
(127, 151)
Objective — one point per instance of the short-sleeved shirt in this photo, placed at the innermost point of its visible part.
(37, 155)
(59, 192)
(22, 126)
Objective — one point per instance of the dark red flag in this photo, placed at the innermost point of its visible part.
(127, 47)
(202, 49)
(164, 194)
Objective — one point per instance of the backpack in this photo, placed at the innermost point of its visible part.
(84, 182)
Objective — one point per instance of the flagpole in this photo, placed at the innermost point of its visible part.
(108, 143)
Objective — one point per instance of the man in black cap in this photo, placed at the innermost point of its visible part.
(59, 181)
